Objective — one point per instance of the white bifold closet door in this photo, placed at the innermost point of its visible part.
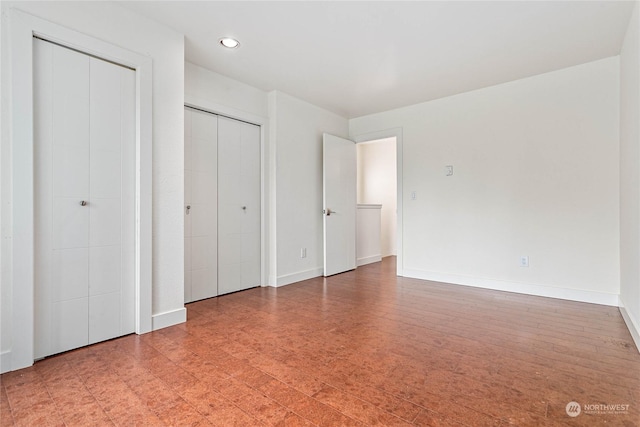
(201, 205)
(84, 176)
(222, 205)
(238, 205)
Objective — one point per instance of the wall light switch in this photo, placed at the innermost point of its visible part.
(448, 170)
(303, 252)
(413, 195)
(524, 261)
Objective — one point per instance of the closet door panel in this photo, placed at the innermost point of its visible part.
(105, 269)
(232, 249)
(111, 266)
(250, 256)
(70, 101)
(104, 317)
(250, 247)
(106, 174)
(229, 279)
(203, 153)
(201, 190)
(70, 223)
(251, 190)
(70, 274)
(105, 222)
(106, 106)
(188, 185)
(229, 217)
(70, 131)
(249, 274)
(239, 205)
(222, 188)
(229, 146)
(70, 177)
(69, 325)
(201, 217)
(85, 199)
(201, 283)
(201, 194)
(187, 268)
(200, 252)
(204, 125)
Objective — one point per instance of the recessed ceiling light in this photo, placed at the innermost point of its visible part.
(230, 43)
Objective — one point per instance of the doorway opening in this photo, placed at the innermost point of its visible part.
(377, 189)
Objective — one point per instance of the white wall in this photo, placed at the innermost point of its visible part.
(630, 176)
(296, 128)
(209, 87)
(536, 171)
(111, 23)
(377, 182)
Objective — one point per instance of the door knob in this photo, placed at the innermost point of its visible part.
(188, 209)
(244, 208)
(83, 203)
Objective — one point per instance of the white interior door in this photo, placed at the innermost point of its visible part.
(201, 210)
(84, 129)
(238, 205)
(339, 201)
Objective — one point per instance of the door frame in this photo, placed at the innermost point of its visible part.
(20, 210)
(263, 122)
(391, 133)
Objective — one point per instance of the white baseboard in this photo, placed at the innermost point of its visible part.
(519, 288)
(288, 279)
(368, 260)
(168, 318)
(5, 361)
(632, 324)
(273, 280)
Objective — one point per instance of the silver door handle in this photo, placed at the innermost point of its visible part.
(83, 203)
(188, 208)
(329, 212)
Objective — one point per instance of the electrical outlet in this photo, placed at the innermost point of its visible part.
(448, 170)
(303, 253)
(524, 261)
(413, 195)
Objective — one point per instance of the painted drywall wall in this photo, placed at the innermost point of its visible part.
(630, 176)
(377, 182)
(296, 127)
(111, 23)
(204, 85)
(536, 165)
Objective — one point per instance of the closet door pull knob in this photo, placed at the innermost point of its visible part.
(83, 203)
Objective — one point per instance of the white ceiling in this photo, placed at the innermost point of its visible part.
(357, 58)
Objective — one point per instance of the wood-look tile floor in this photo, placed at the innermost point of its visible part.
(360, 348)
